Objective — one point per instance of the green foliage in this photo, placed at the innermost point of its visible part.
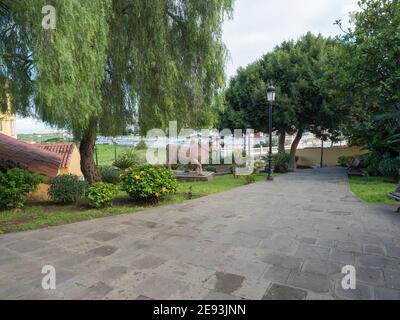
(210, 168)
(101, 195)
(15, 184)
(259, 166)
(371, 162)
(128, 159)
(252, 178)
(111, 60)
(389, 167)
(305, 99)
(149, 183)
(141, 146)
(281, 162)
(367, 73)
(110, 174)
(67, 189)
(346, 161)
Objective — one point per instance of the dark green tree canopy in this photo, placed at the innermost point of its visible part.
(369, 69)
(110, 60)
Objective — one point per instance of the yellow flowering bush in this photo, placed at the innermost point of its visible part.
(149, 183)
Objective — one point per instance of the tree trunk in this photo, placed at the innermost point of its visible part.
(86, 150)
(293, 150)
(282, 141)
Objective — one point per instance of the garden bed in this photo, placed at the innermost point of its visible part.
(37, 215)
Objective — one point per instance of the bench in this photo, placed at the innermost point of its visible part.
(354, 169)
(396, 196)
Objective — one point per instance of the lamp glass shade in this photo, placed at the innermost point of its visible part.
(271, 93)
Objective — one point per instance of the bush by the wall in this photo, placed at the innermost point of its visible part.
(149, 183)
(250, 179)
(67, 189)
(141, 146)
(389, 167)
(371, 162)
(281, 162)
(345, 161)
(15, 184)
(110, 174)
(259, 166)
(100, 195)
(127, 159)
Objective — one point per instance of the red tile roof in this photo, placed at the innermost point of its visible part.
(30, 156)
(65, 150)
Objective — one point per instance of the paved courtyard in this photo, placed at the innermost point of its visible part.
(283, 240)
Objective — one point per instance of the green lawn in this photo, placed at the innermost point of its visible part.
(106, 153)
(373, 189)
(40, 215)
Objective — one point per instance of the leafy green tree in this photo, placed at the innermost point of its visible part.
(109, 60)
(369, 71)
(305, 97)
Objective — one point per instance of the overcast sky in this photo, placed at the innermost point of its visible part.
(258, 26)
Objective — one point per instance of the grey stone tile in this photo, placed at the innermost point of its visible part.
(392, 279)
(97, 291)
(362, 292)
(386, 294)
(313, 252)
(282, 292)
(309, 241)
(277, 274)
(103, 251)
(103, 236)
(25, 246)
(342, 257)
(160, 288)
(393, 252)
(311, 281)
(147, 262)
(279, 260)
(219, 296)
(349, 246)
(321, 267)
(374, 249)
(378, 262)
(370, 276)
(227, 283)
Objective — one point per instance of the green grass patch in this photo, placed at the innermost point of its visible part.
(373, 189)
(44, 214)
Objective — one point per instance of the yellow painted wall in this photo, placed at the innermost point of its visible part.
(8, 125)
(74, 168)
(75, 165)
(311, 157)
(8, 122)
(41, 193)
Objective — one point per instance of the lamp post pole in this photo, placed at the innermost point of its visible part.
(270, 177)
(271, 98)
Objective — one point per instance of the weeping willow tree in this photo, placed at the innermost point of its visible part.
(108, 61)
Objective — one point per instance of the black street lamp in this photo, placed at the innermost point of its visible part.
(271, 94)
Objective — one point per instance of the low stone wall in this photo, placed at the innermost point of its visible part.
(311, 157)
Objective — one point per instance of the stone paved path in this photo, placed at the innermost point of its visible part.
(283, 240)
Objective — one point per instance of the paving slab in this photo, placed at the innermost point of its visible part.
(286, 239)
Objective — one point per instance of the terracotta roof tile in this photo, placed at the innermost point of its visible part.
(30, 156)
(65, 150)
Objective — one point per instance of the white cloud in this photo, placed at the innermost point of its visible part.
(259, 25)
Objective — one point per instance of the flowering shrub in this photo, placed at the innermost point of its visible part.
(67, 189)
(15, 184)
(101, 194)
(149, 183)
